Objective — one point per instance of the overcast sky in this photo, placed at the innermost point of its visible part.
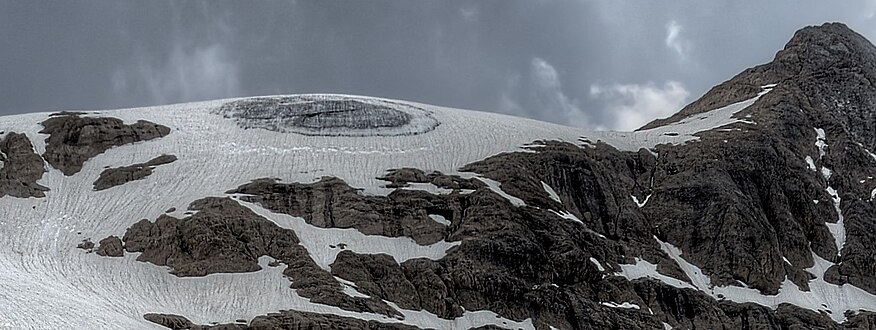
(598, 64)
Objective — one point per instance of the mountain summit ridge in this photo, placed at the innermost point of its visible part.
(814, 52)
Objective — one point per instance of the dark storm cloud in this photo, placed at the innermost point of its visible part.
(605, 64)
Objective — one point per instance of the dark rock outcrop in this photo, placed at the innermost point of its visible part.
(403, 177)
(288, 319)
(20, 167)
(824, 78)
(170, 321)
(225, 237)
(74, 139)
(307, 320)
(112, 177)
(110, 247)
(380, 276)
(86, 245)
(331, 203)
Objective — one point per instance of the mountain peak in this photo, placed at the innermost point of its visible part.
(823, 64)
(831, 35)
(817, 48)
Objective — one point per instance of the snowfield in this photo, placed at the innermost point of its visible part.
(47, 283)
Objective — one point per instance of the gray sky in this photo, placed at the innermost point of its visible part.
(599, 64)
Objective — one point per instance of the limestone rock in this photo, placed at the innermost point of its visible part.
(74, 139)
(112, 177)
(20, 167)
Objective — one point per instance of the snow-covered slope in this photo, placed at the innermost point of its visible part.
(46, 283)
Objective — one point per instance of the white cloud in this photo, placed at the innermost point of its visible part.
(633, 105)
(675, 41)
(550, 95)
(469, 13)
(198, 73)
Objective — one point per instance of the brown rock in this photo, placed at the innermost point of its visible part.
(120, 175)
(74, 139)
(171, 321)
(20, 168)
(110, 247)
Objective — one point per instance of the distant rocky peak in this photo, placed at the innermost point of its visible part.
(824, 77)
(817, 48)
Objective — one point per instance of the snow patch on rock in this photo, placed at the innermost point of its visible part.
(551, 192)
(679, 132)
(495, 186)
(838, 229)
(642, 203)
(822, 296)
(440, 219)
(626, 305)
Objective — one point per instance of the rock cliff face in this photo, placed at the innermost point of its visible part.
(20, 167)
(764, 223)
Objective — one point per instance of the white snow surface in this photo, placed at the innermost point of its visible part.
(820, 142)
(47, 283)
(642, 203)
(810, 163)
(440, 219)
(626, 305)
(551, 192)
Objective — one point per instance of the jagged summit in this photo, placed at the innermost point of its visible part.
(830, 67)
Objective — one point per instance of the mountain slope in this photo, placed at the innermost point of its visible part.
(753, 207)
